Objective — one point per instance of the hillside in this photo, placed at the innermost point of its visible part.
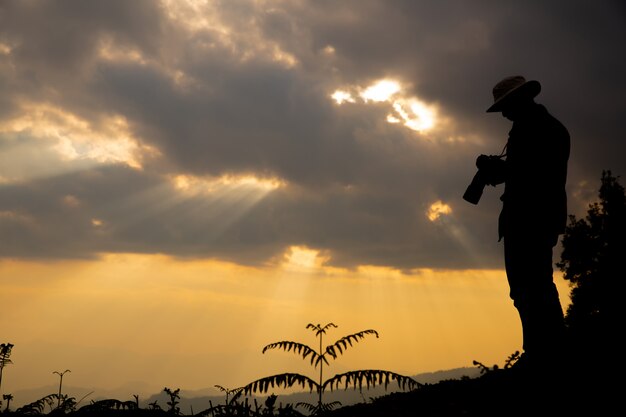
(585, 385)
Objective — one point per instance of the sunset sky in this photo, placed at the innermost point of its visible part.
(185, 181)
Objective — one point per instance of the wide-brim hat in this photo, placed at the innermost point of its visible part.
(511, 89)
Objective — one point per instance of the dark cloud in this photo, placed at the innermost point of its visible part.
(227, 97)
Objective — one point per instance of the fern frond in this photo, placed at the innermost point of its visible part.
(342, 344)
(315, 327)
(319, 329)
(307, 406)
(297, 348)
(286, 380)
(319, 359)
(37, 407)
(329, 406)
(237, 392)
(510, 361)
(318, 409)
(483, 368)
(370, 378)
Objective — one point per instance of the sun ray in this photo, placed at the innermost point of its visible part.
(193, 205)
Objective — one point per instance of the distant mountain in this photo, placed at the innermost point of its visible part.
(201, 399)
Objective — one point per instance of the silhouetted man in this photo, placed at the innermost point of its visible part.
(534, 213)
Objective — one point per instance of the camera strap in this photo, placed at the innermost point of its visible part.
(503, 153)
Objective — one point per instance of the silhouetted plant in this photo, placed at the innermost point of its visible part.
(484, 368)
(508, 363)
(60, 374)
(154, 406)
(5, 354)
(235, 391)
(233, 407)
(109, 404)
(37, 407)
(593, 261)
(173, 402)
(65, 405)
(8, 398)
(356, 379)
(512, 359)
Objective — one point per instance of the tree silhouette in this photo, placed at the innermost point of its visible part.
(369, 378)
(592, 260)
(5, 354)
(7, 397)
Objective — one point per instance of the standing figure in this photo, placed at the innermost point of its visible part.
(533, 168)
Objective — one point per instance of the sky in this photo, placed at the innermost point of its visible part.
(184, 182)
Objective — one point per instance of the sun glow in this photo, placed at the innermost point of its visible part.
(97, 223)
(380, 91)
(408, 111)
(342, 97)
(415, 114)
(437, 210)
(303, 258)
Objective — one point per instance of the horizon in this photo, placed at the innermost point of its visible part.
(86, 394)
(185, 182)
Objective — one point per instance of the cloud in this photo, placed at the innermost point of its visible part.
(110, 111)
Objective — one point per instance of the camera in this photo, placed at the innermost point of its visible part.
(490, 171)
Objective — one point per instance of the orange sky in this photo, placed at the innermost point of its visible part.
(194, 324)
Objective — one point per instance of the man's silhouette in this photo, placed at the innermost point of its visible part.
(534, 213)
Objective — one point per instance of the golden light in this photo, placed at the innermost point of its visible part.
(267, 184)
(203, 16)
(438, 209)
(5, 49)
(73, 138)
(392, 119)
(303, 258)
(415, 114)
(342, 97)
(195, 185)
(218, 202)
(281, 56)
(195, 15)
(406, 110)
(97, 222)
(329, 50)
(381, 91)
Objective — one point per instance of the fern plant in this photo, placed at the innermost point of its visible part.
(356, 379)
(65, 405)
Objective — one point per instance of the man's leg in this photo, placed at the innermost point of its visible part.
(528, 262)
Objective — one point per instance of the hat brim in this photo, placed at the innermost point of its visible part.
(529, 89)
